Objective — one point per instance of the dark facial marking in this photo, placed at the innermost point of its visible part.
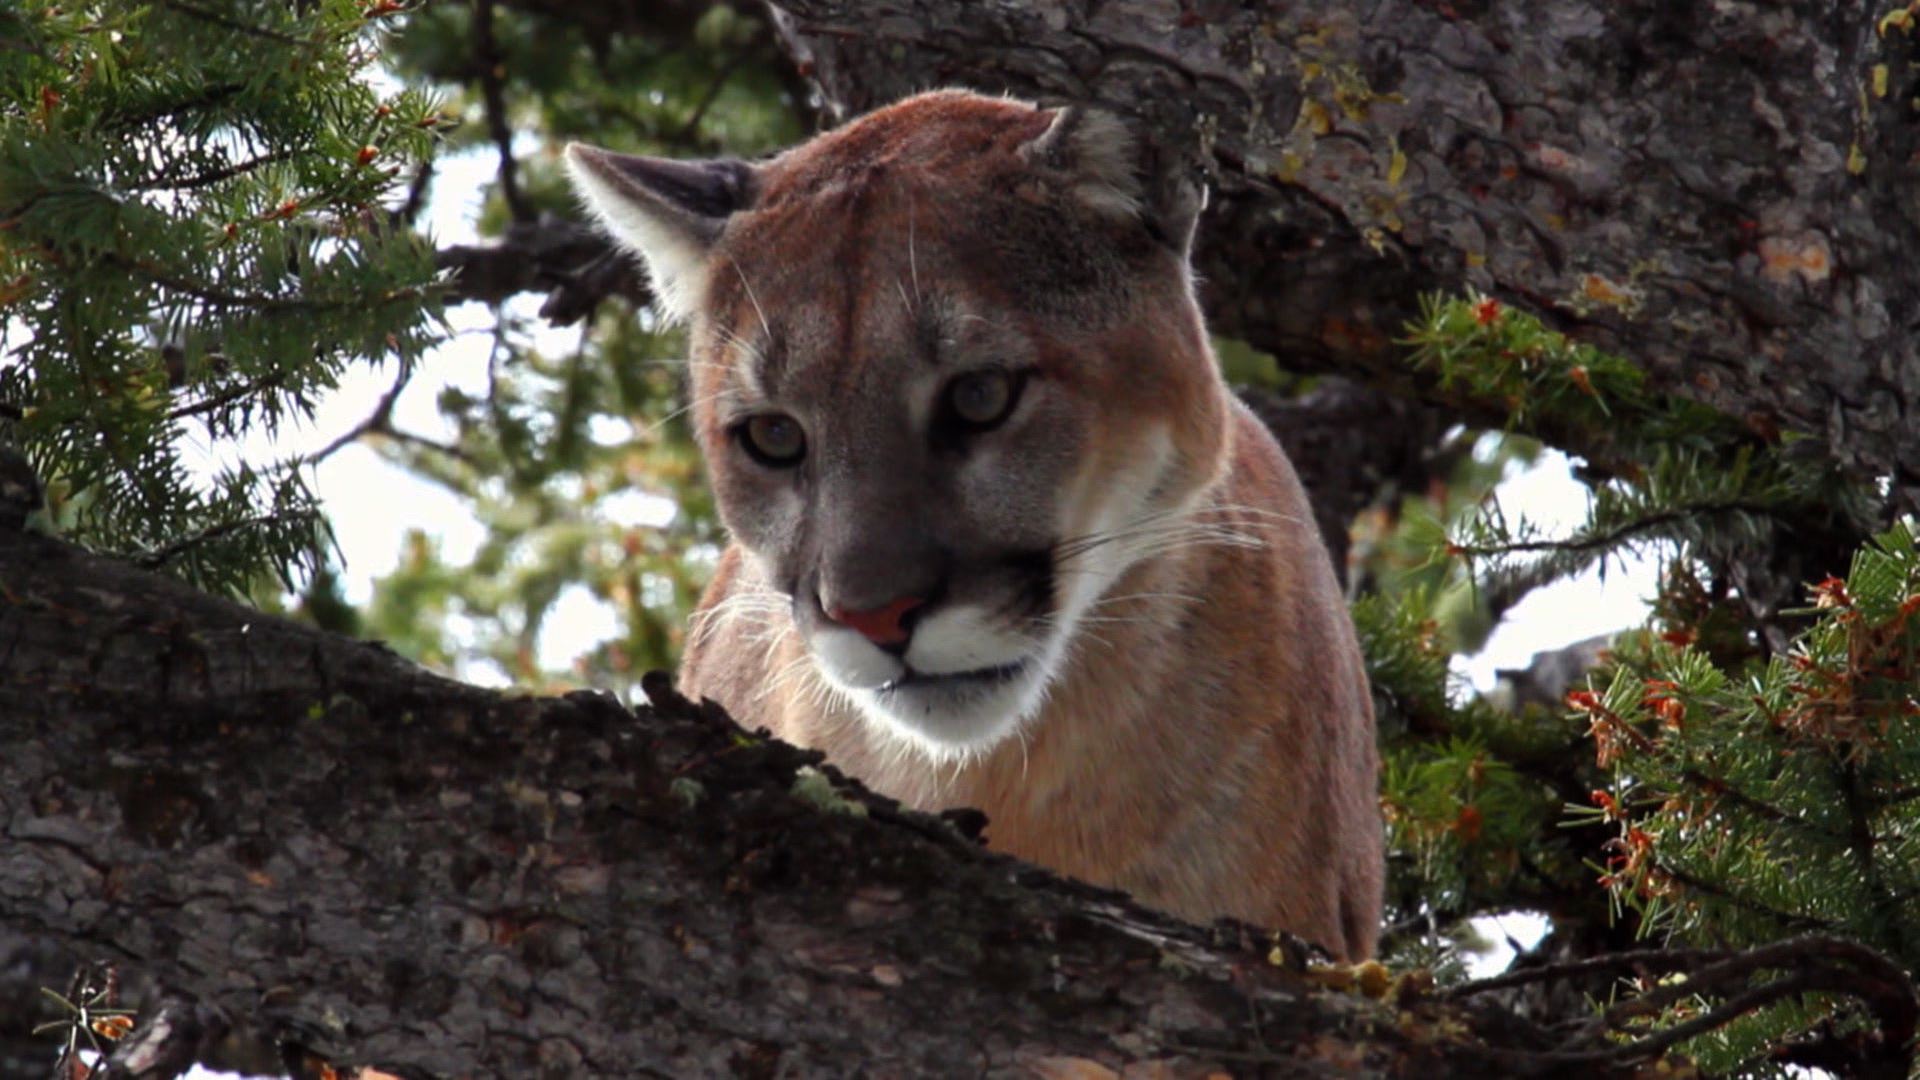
(1033, 575)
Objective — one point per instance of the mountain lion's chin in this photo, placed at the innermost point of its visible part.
(959, 715)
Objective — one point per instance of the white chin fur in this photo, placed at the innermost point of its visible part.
(945, 719)
(963, 718)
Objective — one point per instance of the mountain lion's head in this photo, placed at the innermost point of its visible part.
(950, 381)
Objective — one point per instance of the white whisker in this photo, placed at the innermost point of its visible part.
(913, 262)
(765, 326)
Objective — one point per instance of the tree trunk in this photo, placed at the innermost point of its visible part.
(1723, 193)
(311, 838)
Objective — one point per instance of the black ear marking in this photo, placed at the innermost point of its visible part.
(706, 189)
(671, 212)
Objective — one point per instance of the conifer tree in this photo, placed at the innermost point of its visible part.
(195, 239)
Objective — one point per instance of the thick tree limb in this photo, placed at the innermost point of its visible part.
(1722, 193)
(310, 838)
(315, 839)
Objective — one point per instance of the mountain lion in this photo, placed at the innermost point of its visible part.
(1001, 536)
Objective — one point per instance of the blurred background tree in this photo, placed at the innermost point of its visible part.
(575, 459)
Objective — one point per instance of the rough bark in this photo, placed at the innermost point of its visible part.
(267, 828)
(1722, 192)
(311, 838)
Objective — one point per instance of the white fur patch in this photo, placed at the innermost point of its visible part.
(850, 661)
(1126, 516)
(963, 638)
(943, 721)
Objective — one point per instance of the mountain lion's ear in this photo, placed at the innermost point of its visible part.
(1114, 172)
(671, 212)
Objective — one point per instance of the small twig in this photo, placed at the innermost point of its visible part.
(214, 17)
(488, 69)
(495, 411)
(377, 420)
(214, 176)
(90, 1014)
(402, 435)
(380, 422)
(417, 192)
(223, 399)
(1609, 537)
(1650, 959)
(153, 560)
(1815, 963)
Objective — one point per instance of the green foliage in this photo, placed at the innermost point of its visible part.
(1498, 358)
(1398, 547)
(1778, 796)
(1739, 783)
(551, 461)
(1470, 792)
(551, 457)
(1666, 471)
(192, 245)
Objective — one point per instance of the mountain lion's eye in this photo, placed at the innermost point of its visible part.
(983, 399)
(773, 439)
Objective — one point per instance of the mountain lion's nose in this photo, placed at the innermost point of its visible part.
(885, 625)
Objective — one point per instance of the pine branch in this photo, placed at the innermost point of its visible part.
(1815, 963)
(1720, 892)
(232, 396)
(217, 94)
(1718, 788)
(1612, 536)
(197, 12)
(160, 557)
(215, 176)
(262, 301)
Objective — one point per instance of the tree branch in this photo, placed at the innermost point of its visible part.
(576, 265)
(492, 75)
(195, 11)
(161, 556)
(214, 176)
(1357, 163)
(414, 867)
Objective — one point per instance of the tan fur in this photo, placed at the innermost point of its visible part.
(1207, 744)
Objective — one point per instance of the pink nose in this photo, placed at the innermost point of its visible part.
(881, 625)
